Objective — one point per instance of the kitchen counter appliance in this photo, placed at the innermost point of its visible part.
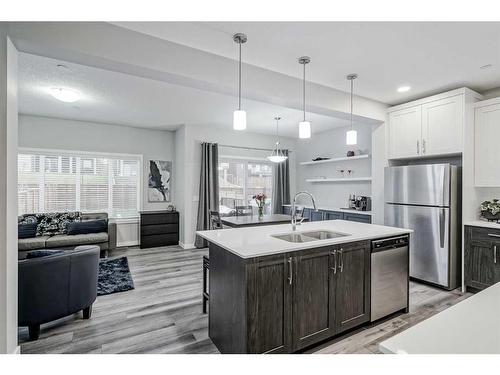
(425, 198)
(389, 276)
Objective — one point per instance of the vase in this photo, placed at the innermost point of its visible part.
(261, 213)
(489, 216)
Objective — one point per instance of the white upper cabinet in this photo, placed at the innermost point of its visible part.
(487, 150)
(442, 126)
(432, 126)
(405, 132)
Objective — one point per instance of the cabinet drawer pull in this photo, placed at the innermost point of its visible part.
(341, 260)
(495, 254)
(334, 268)
(418, 147)
(423, 146)
(494, 235)
(290, 271)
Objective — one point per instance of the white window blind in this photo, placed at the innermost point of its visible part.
(57, 181)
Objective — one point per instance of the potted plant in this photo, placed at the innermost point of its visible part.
(260, 199)
(490, 210)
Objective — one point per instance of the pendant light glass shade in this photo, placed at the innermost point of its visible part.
(304, 129)
(239, 120)
(277, 155)
(239, 116)
(304, 126)
(351, 136)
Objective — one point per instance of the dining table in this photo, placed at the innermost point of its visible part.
(254, 220)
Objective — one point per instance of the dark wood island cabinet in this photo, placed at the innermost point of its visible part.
(287, 302)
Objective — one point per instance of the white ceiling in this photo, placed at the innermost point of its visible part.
(428, 56)
(117, 98)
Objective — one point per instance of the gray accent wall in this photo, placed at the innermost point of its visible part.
(52, 133)
(332, 144)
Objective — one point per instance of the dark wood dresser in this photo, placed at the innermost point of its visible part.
(159, 228)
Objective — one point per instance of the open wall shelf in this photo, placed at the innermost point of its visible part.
(349, 179)
(334, 160)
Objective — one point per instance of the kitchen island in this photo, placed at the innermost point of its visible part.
(277, 291)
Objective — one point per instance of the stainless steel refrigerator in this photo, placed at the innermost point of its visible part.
(425, 198)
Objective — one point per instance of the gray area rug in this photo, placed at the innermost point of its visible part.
(114, 276)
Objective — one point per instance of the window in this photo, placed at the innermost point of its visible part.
(53, 181)
(240, 180)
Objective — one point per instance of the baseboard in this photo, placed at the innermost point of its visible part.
(17, 350)
(127, 243)
(186, 246)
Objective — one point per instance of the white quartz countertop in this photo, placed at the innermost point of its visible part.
(331, 208)
(470, 327)
(257, 241)
(482, 224)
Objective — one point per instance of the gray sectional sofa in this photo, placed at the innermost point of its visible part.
(105, 240)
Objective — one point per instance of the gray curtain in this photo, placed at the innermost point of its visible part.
(209, 188)
(281, 185)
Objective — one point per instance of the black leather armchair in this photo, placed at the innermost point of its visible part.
(55, 286)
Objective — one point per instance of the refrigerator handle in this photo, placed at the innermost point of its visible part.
(442, 218)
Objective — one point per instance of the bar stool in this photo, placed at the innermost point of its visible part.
(215, 223)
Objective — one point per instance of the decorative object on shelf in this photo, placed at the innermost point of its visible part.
(349, 172)
(319, 158)
(260, 199)
(334, 179)
(304, 126)
(350, 154)
(334, 160)
(490, 210)
(160, 178)
(342, 172)
(351, 137)
(277, 155)
(239, 116)
(170, 208)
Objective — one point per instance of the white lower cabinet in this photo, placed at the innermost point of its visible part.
(487, 145)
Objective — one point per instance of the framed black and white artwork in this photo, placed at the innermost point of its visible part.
(160, 180)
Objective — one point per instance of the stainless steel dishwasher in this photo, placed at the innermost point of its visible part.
(389, 276)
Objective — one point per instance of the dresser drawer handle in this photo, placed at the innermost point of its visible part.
(494, 235)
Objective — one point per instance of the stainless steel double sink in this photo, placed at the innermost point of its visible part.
(299, 237)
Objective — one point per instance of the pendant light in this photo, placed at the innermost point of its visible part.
(351, 137)
(304, 126)
(277, 156)
(239, 116)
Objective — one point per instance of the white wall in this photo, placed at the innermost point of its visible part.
(190, 138)
(8, 194)
(332, 144)
(51, 133)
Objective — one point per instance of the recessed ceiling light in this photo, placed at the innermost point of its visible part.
(65, 95)
(62, 66)
(404, 88)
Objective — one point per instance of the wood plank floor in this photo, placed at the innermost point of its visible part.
(163, 313)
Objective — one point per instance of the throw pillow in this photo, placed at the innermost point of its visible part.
(27, 230)
(55, 222)
(42, 253)
(87, 226)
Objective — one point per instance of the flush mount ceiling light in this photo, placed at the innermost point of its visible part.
(304, 126)
(351, 136)
(239, 116)
(277, 156)
(65, 95)
(404, 88)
